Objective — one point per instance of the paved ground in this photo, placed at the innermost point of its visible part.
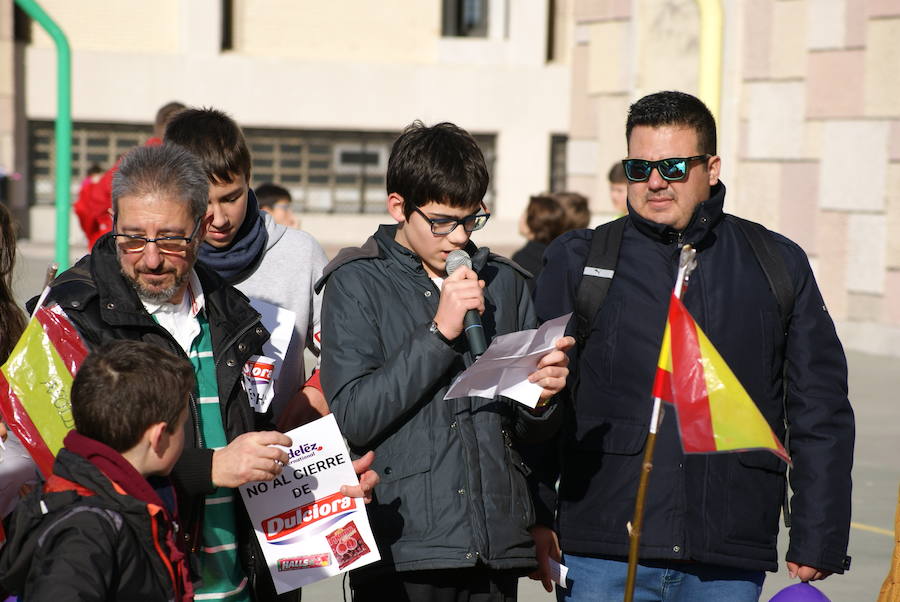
(874, 381)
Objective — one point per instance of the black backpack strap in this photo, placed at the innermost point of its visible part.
(773, 265)
(772, 262)
(597, 275)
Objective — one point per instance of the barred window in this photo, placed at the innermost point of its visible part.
(558, 143)
(325, 171)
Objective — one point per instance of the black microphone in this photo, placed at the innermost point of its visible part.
(472, 322)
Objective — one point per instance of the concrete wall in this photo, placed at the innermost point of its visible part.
(809, 127)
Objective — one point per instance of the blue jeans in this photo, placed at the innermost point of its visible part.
(603, 580)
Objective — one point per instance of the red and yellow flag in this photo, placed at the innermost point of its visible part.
(715, 413)
(35, 383)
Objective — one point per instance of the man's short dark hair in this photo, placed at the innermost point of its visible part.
(162, 170)
(125, 387)
(215, 139)
(674, 109)
(441, 163)
(164, 115)
(268, 194)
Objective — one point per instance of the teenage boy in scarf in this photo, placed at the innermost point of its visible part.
(97, 529)
(262, 259)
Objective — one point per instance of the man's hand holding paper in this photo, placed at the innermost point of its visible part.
(528, 366)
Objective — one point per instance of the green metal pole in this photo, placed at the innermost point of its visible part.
(63, 126)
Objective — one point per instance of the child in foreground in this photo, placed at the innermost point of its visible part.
(97, 529)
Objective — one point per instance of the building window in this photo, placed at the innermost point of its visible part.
(465, 18)
(558, 143)
(325, 171)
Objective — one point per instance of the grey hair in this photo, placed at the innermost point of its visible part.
(166, 169)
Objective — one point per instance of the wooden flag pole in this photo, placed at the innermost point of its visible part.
(686, 264)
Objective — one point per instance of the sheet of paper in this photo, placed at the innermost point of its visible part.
(558, 572)
(261, 372)
(505, 366)
(307, 529)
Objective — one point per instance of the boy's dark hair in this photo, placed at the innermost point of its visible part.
(546, 218)
(576, 207)
(678, 109)
(617, 174)
(441, 163)
(215, 139)
(125, 387)
(268, 194)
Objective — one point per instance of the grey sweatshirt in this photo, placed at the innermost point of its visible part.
(285, 276)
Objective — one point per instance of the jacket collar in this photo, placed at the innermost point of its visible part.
(698, 231)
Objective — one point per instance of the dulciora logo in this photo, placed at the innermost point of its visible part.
(293, 520)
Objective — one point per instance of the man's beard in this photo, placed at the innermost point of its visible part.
(157, 297)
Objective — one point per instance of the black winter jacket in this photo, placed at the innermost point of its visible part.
(104, 307)
(97, 547)
(452, 488)
(724, 508)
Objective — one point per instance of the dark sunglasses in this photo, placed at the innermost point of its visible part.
(445, 225)
(672, 169)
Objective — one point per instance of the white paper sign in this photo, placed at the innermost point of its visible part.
(261, 372)
(307, 529)
(558, 572)
(505, 366)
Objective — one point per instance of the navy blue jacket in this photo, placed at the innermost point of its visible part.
(724, 508)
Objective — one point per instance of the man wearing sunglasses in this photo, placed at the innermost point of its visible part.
(711, 521)
(452, 512)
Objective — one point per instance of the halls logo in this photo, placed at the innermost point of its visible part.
(293, 520)
(302, 451)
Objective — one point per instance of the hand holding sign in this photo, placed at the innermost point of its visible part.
(248, 458)
(310, 524)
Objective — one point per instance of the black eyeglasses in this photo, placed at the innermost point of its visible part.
(445, 225)
(170, 245)
(672, 169)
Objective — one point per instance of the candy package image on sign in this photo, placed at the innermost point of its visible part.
(308, 530)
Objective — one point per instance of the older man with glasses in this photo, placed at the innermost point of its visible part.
(711, 521)
(142, 282)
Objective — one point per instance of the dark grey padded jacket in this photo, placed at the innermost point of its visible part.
(452, 488)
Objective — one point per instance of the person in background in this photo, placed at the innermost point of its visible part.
(543, 220)
(618, 189)
(276, 201)
(17, 470)
(102, 531)
(93, 206)
(546, 217)
(577, 208)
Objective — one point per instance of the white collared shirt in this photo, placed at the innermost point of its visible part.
(180, 319)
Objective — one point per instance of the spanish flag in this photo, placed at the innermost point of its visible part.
(36, 382)
(715, 413)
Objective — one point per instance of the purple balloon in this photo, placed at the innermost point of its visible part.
(800, 592)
